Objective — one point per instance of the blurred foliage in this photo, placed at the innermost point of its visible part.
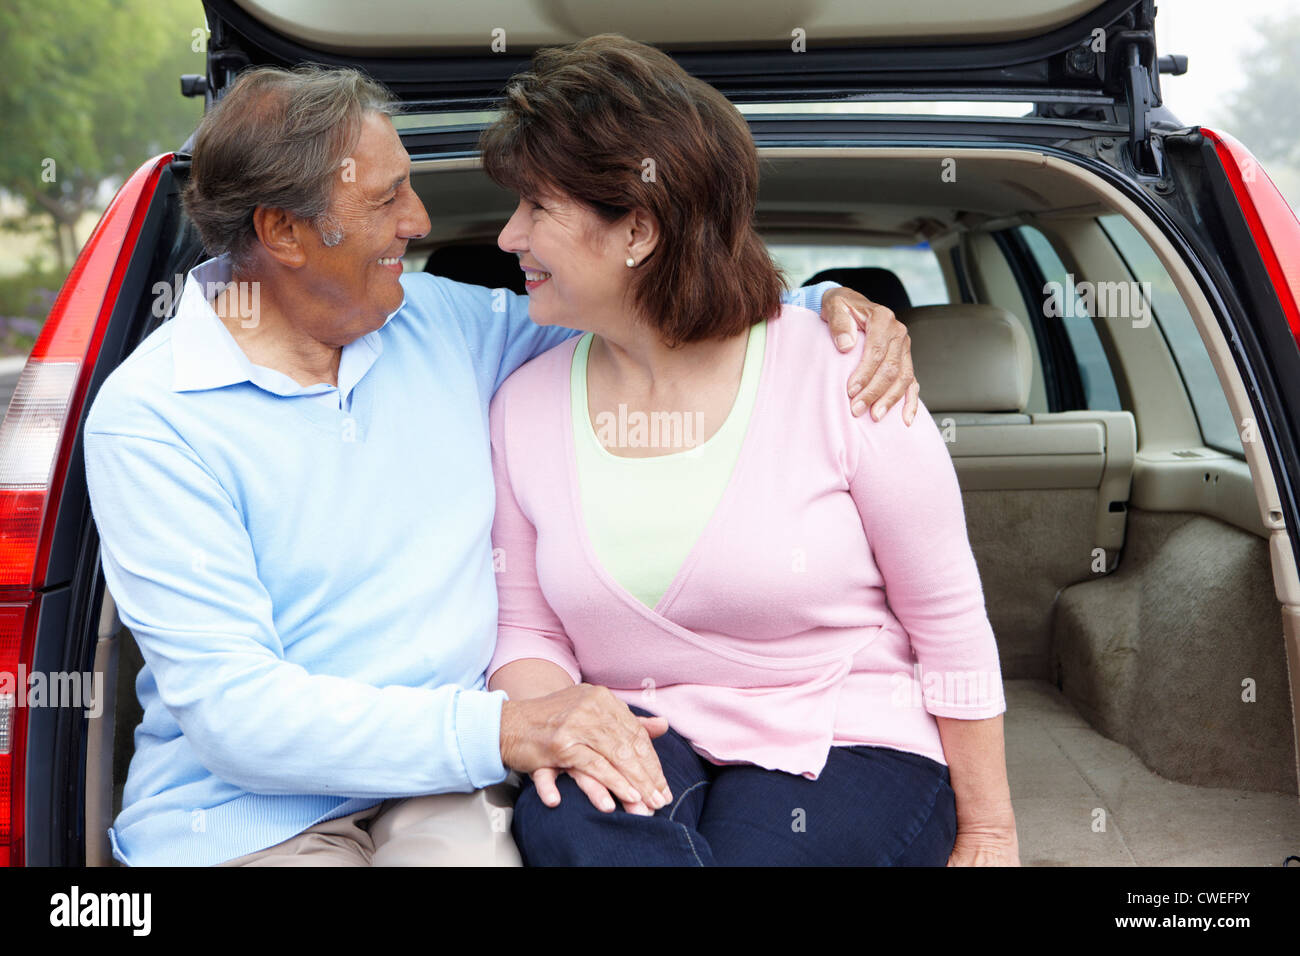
(25, 300)
(91, 89)
(29, 294)
(1263, 113)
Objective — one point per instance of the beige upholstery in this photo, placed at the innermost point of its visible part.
(1045, 494)
(99, 741)
(970, 358)
(974, 365)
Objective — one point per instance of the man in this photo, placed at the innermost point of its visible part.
(293, 488)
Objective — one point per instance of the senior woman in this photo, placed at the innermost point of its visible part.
(789, 586)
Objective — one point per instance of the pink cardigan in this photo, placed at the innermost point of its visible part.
(832, 599)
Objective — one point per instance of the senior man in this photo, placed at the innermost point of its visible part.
(294, 505)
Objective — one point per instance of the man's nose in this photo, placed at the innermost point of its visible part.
(415, 221)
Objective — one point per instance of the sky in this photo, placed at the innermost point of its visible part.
(1217, 37)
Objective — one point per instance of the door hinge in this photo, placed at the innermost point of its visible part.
(1141, 92)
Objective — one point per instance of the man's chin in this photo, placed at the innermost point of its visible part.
(373, 325)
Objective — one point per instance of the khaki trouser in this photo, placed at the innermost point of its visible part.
(445, 829)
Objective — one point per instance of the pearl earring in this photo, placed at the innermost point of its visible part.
(630, 262)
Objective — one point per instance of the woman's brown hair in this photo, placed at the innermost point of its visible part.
(618, 125)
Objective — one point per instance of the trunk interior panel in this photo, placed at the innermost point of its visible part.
(1177, 654)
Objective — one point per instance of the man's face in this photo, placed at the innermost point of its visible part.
(378, 212)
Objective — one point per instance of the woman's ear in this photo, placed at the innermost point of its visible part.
(643, 234)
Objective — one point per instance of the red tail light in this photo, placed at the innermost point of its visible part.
(36, 439)
(1272, 223)
(17, 624)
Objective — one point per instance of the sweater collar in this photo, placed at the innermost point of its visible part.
(205, 355)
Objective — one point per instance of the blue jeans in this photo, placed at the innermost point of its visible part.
(870, 806)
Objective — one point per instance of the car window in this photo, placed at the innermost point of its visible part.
(1098, 381)
(916, 266)
(1218, 428)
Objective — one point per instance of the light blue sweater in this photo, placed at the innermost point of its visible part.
(307, 571)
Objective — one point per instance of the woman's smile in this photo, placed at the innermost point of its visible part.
(534, 278)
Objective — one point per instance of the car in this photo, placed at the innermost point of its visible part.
(1103, 303)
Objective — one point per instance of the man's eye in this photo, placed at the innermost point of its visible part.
(391, 201)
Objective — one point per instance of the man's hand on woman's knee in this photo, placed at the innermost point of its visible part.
(546, 780)
(589, 733)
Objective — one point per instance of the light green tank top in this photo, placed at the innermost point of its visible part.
(644, 515)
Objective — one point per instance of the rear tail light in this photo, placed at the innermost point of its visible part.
(1272, 223)
(29, 443)
(36, 441)
(17, 624)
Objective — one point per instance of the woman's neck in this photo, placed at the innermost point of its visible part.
(636, 359)
(635, 371)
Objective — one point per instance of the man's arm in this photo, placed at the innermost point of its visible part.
(495, 322)
(181, 567)
(502, 337)
(884, 375)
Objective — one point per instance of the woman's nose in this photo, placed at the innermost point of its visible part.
(513, 237)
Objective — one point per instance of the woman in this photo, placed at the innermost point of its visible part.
(687, 516)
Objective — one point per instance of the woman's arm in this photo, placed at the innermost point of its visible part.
(530, 677)
(977, 768)
(529, 632)
(534, 656)
(905, 487)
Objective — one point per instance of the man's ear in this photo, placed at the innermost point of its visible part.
(280, 234)
(643, 234)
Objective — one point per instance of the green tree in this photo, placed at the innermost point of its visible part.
(1262, 113)
(90, 91)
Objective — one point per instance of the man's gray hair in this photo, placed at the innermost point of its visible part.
(278, 138)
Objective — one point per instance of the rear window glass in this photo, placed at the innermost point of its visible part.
(1094, 370)
(916, 265)
(1218, 430)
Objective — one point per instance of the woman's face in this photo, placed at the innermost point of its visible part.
(575, 267)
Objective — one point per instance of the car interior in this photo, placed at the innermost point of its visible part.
(1125, 521)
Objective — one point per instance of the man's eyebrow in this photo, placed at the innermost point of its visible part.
(395, 183)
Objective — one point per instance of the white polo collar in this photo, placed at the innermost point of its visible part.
(205, 355)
